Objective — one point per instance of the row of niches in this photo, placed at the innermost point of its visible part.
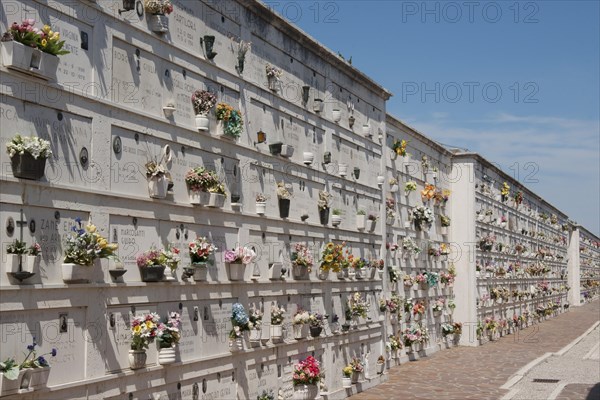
(489, 241)
(514, 292)
(503, 268)
(518, 204)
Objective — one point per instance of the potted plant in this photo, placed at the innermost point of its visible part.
(83, 247)
(335, 324)
(445, 223)
(315, 324)
(357, 369)
(261, 204)
(157, 11)
(205, 187)
(277, 323)
(34, 370)
(10, 377)
(143, 332)
(393, 182)
(15, 252)
(171, 261)
(358, 307)
(306, 378)
(152, 264)
(323, 203)
(230, 123)
(299, 321)
(438, 307)
(302, 261)
(361, 218)
(255, 316)
(347, 377)
(28, 156)
(371, 221)
(243, 48)
(168, 337)
(157, 180)
(200, 250)
(284, 196)
(390, 211)
(203, 102)
(399, 148)
(376, 266)
(422, 217)
(273, 77)
(358, 265)
(380, 365)
(236, 260)
(240, 327)
(332, 257)
(336, 218)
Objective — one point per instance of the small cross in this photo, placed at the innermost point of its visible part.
(20, 223)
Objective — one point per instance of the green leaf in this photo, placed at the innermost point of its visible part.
(12, 373)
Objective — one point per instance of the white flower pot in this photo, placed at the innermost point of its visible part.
(307, 157)
(380, 368)
(355, 377)
(370, 225)
(346, 382)
(167, 355)
(261, 207)
(216, 200)
(12, 262)
(48, 66)
(318, 105)
(336, 115)
(236, 271)
(366, 130)
(200, 273)
(359, 273)
(380, 180)
(202, 122)
(361, 222)
(255, 336)
(8, 386)
(343, 169)
(198, 197)
(16, 55)
(444, 230)
(158, 23)
(157, 187)
(287, 151)
(306, 392)
(169, 275)
(236, 344)
(394, 188)
(39, 377)
(299, 331)
(137, 359)
(75, 273)
(275, 271)
(276, 333)
(336, 220)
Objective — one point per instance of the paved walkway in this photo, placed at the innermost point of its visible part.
(478, 373)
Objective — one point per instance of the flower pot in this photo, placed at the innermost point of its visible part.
(380, 180)
(236, 271)
(48, 66)
(315, 331)
(169, 275)
(202, 122)
(327, 157)
(355, 377)
(444, 230)
(336, 220)
(322, 275)
(39, 377)
(158, 23)
(351, 121)
(255, 336)
(261, 207)
(275, 271)
(137, 359)
(437, 314)
(12, 262)
(157, 186)
(366, 130)
(318, 105)
(154, 273)
(284, 208)
(75, 273)
(324, 216)
(276, 333)
(359, 273)
(200, 272)
(275, 148)
(361, 222)
(356, 173)
(24, 166)
(24, 378)
(308, 157)
(343, 169)
(287, 150)
(299, 271)
(394, 188)
(380, 368)
(198, 197)
(167, 355)
(370, 225)
(306, 392)
(272, 83)
(390, 220)
(236, 344)
(417, 317)
(336, 115)
(31, 263)
(216, 200)
(299, 333)
(372, 272)
(16, 55)
(346, 382)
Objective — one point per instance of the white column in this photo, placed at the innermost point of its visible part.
(573, 268)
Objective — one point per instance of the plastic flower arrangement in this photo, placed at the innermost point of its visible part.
(347, 371)
(457, 328)
(244, 255)
(25, 33)
(266, 395)
(439, 304)
(422, 215)
(301, 317)
(35, 249)
(408, 280)
(416, 333)
(168, 257)
(332, 257)
(394, 274)
(490, 324)
(239, 321)
(307, 372)
(399, 147)
(232, 120)
(418, 308)
(410, 186)
(393, 304)
(379, 264)
(451, 304)
(273, 72)
(302, 256)
(171, 256)
(357, 305)
(392, 246)
(33, 145)
(382, 305)
(487, 242)
(144, 330)
(200, 250)
(201, 179)
(169, 334)
(408, 305)
(519, 197)
(420, 278)
(505, 191)
(447, 329)
(359, 263)
(31, 360)
(50, 42)
(158, 7)
(255, 316)
(316, 320)
(203, 101)
(394, 343)
(428, 192)
(324, 200)
(85, 245)
(357, 365)
(17, 247)
(277, 315)
(410, 246)
(444, 220)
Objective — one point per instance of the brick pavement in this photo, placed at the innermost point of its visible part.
(477, 373)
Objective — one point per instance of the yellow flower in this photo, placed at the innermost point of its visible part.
(329, 246)
(113, 246)
(44, 42)
(329, 258)
(55, 36)
(91, 228)
(46, 29)
(102, 243)
(149, 324)
(137, 329)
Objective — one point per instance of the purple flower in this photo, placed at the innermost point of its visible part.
(53, 352)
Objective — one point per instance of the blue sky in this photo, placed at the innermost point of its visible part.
(517, 82)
